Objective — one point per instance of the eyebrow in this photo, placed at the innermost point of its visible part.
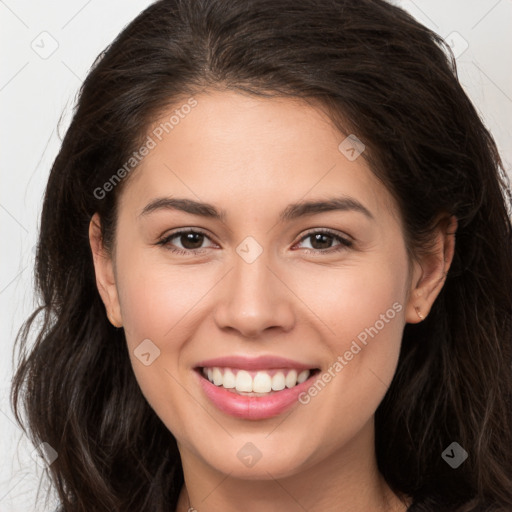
(291, 212)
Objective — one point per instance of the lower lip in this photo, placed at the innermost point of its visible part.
(253, 407)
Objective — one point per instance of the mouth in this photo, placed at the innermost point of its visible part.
(256, 383)
(251, 396)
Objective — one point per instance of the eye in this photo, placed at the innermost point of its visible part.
(321, 241)
(191, 241)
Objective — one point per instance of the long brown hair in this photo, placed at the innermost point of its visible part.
(379, 74)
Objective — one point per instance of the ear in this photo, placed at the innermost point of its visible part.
(104, 270)
(430, 271)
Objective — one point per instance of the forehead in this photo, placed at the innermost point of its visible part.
(232, 148)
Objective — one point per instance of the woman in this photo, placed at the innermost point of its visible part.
(195, 354)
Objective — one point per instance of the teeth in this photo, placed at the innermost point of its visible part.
(217, 377)
(291, 379)
(229, 379)
(243, 381)
(302, 376)
(262, 383)
(258, 382)
(278, 381)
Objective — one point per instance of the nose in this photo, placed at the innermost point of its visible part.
(254, 298)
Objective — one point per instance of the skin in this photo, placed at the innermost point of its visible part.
(252, 157)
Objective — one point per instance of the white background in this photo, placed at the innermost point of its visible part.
(36, 91)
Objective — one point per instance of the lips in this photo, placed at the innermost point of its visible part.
(249, 405)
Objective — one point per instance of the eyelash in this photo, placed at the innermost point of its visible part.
(345, 243)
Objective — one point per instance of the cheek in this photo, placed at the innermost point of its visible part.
(156, 297)
(157, 305)
(357, 301)
(361, 315)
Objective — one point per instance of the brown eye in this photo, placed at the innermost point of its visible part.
(191, 241)
(321, 241)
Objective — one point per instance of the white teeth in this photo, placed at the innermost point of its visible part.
(278, 382)
(263, 382)
(303, 375)
(291, 379)
(217, 376)
(229, 379)
(243, 381)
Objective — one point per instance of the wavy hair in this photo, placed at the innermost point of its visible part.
(379, 74)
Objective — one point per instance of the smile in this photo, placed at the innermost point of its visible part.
(254, 394)
(255, 383)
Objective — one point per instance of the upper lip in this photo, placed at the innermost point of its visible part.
(254, 363)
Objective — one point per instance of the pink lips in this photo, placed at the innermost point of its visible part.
(253, 407)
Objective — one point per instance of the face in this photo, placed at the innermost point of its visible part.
(258, 275)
